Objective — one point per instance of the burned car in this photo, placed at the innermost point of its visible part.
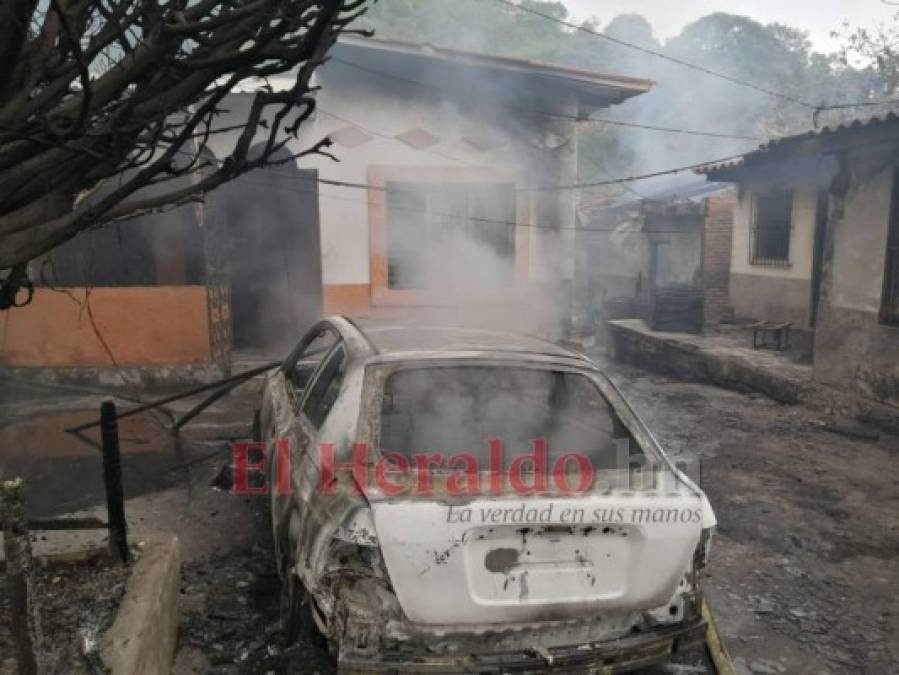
(459, 500)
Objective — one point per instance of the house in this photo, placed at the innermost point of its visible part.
(676, 236)
(440, 208)
(816, 243)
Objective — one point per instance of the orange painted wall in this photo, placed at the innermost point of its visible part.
(143, 325)
(349, 299)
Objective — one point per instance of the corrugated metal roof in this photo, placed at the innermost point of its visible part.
(693, 190)
(786, 141)
(706, 169)
(858, 123)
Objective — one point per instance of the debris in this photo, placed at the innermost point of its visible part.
(766, 667)
(764, 606)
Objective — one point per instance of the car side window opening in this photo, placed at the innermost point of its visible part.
(300, 366)
(324, 389)
(459, 409)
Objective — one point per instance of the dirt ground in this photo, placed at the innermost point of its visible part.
(805, 562)
(77, 603)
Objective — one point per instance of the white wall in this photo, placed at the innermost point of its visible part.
(860, 239)
(383, 115)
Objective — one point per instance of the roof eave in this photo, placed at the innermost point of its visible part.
(612, 89)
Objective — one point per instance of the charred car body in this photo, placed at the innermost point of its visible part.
(458, 568)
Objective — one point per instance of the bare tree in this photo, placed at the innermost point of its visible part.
(91, 89)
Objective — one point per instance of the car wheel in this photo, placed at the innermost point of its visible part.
(297, 621)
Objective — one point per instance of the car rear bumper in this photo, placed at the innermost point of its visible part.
(623, 655)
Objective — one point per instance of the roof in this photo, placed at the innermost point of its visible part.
(694, 191)
(387, 338)
(671, 200)
(444, 68)
(817, 139)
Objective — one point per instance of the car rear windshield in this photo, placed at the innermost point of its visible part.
(449, 410)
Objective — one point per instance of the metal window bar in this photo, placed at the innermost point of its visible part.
(772, 218)
(889, 306)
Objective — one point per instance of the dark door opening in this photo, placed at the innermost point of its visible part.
(275, 256)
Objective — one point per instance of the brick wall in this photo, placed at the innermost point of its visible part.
(716, 253)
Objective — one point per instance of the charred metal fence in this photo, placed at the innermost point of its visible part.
(24, 610)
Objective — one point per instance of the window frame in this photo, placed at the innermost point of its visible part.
(290, 363)
(756, 230)
(383, 295)
(338, 349)
(889, 297)
(432, 224)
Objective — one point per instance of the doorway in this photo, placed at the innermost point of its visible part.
(275, 257)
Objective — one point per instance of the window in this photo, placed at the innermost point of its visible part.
(302, 362)
(452, 235)
(889, 305)
(325, 388)
(771, 226)
(458, 409)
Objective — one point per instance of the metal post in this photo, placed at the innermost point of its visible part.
(26, 626)
(112, 477)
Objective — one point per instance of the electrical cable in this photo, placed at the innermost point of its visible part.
(666, 57)
(576, 118)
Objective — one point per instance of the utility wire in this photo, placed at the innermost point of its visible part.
(666, 57)
(508, 223)
(859, 104)
(438, 214)
(576, 118)
(544, 188)
(817, 109)
(671, 130)
(629, 179)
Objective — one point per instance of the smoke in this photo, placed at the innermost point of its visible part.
(460, 258)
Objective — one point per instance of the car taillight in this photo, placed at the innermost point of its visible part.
(355, 542)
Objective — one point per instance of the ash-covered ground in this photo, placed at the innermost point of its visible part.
(804, 567)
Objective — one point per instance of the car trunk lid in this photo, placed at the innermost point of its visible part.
(518, 560)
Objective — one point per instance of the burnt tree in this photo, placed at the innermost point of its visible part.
(94, 89)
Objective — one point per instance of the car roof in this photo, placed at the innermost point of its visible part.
(394, 338)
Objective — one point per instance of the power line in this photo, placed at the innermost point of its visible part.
(510, 223)
(452, 216)
(268, 171)
(859, 104)
(708, 71)
(666, 57)
(671, 130)
(691, 132)
(544, 188)
(629, 179)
